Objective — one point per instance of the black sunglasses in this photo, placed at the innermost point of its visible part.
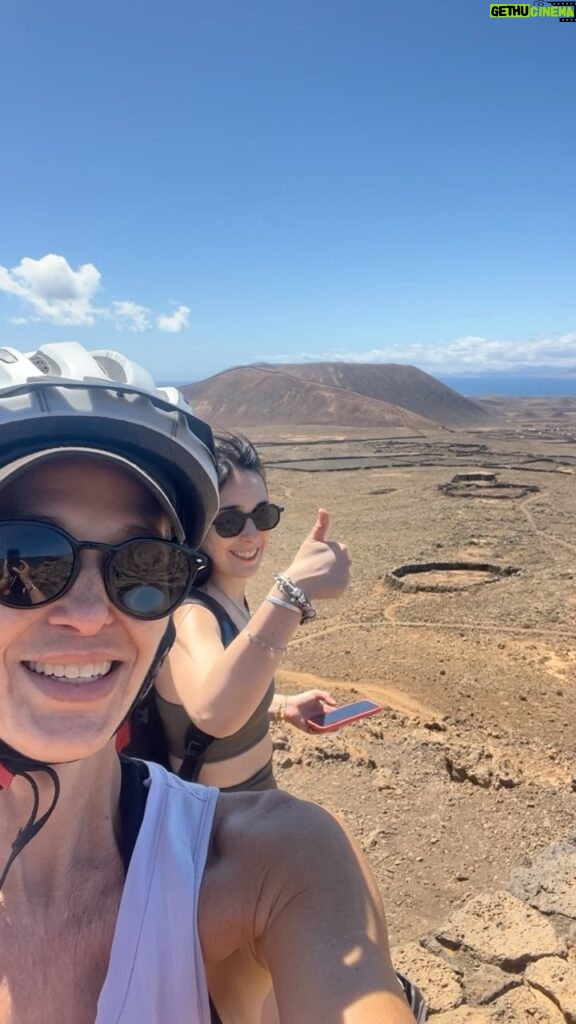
(146, 577)
(231, 521)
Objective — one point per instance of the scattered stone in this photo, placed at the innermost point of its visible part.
(280, 743)
(464, 1015)
(483, 983)
(364, 761)
(373, 837)
(285, 762)
(557, 980)
(332, 753)
(525, 1006)
(383, 779)
(439, 983)
(470, 765)
(549, 883)
(499, 929)
(506, 776)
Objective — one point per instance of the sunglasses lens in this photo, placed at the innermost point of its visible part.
(148, 578)
(229, 523)
(33, 559)
(266, 517)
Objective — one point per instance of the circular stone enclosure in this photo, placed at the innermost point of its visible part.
(482, 478)
(479, 485)
(444, 577)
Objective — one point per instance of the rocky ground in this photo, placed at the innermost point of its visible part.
(467, 777)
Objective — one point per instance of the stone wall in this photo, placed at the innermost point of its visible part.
(505, 957)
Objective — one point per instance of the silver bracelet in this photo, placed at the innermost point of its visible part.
(262, 643)
(283, 604)
(295, 595)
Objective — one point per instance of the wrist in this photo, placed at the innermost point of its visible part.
(277, 599)
(294, 595)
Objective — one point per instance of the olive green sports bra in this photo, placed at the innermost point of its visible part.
(176, 721)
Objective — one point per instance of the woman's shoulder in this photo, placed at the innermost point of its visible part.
(199, 606)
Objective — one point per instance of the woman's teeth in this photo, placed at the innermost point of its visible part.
(93, 670)
(246, 556)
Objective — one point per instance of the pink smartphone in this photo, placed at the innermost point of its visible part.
(346, 713)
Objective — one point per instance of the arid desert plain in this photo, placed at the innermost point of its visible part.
(470, 768)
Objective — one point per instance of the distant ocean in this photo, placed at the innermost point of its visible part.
(513, 385)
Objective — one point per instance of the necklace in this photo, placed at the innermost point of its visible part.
(241, 610)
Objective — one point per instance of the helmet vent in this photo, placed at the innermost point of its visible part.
(44, 365)
(113, 365)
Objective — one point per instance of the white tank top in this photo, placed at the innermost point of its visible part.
(156, 972)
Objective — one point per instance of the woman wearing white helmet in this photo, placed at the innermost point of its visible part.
(129, 896)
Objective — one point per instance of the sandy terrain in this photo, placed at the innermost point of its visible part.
(470, 767)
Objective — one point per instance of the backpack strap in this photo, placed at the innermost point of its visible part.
(197, 741)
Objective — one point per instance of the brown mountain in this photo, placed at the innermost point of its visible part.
(343, 394)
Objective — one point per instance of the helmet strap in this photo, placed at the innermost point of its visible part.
(13, 763)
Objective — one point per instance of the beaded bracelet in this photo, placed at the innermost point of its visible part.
(262, 643)
(295, 595)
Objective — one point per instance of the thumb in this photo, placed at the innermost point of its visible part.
(320, 528)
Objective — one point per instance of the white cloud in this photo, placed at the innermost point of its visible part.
(469, 354)
(52, 290)
(130, 316)
(174, 322)
(49, 290)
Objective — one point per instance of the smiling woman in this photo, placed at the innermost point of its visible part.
(214, 696)
(107, 483)
(86, 672)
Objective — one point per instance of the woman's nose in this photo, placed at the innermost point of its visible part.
(249, 526)
(86, 607)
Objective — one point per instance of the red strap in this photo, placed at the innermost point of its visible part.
(123, 735)
(6, 776)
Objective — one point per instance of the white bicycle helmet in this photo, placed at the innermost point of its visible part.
(63, 398)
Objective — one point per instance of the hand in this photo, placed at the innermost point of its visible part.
(321, 567)
(23, 571)
(35, 595)
(302, 706)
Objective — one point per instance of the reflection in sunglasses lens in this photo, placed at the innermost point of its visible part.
(146, 578)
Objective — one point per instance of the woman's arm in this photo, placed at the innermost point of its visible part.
(321, 887)
(221, 687)
(307, 910)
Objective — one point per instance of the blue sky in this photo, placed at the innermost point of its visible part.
(205, 184)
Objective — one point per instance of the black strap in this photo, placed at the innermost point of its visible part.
(228, 628)
(197, 741)
(214, 1018)
(133, 796)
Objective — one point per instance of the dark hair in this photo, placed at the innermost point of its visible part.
(234, 451)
